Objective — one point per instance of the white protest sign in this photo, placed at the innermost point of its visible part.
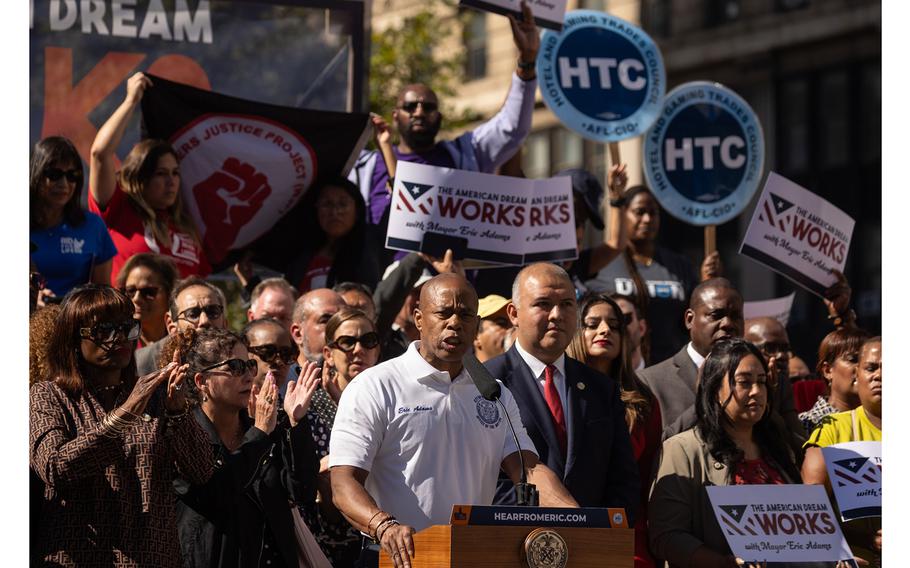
(855, 471)
(778, 308)
(505, 220)
(779, 523)
(798, 234)
(547, 13)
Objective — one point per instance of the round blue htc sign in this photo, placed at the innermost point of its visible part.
(703, 157)
(602, 76)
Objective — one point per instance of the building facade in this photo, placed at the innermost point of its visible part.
(811, 69)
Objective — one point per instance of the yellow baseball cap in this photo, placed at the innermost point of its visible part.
(491, 305)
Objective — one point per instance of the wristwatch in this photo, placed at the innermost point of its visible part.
(619, 201)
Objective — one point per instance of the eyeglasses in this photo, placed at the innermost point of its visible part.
(147, 292)
(54, 174)
(237, 367)
(772, 348)
(410, 107)
(272, 353)
(347, 343)
(212, 311)
(108, 332)
(340, 206)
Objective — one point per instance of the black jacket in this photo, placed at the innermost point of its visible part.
(222, 523)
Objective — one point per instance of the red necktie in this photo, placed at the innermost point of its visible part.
(551, 395)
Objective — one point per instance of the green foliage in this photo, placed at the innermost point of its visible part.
(407, 53)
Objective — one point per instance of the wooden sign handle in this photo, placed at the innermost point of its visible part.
(710, 239)
(614, 153)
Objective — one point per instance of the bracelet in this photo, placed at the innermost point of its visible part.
(383, 527)
(370, 531)
(526, 66)
(115, 426)
(382, 523)
(619, 201)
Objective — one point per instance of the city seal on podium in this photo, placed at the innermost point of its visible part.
(545, 548)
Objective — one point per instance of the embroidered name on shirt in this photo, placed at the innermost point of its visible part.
(418, 408)
(69, 245)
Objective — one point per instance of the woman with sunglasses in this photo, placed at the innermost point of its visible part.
(351, 347)
(734, 442)
(271, 346)
(72, 246)
(141, 203)
(106, 444)
(147, 279)
(602, 343)
(263, 451)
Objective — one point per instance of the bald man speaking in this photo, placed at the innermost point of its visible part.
(413, 435)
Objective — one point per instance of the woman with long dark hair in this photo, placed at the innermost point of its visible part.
(73, 246)
(106, 444)
(141, 203)
(265, 459)
(602, 343)
(147, 279)
(734, 442)
(337, 244)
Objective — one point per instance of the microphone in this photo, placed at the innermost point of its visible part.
(525, 493)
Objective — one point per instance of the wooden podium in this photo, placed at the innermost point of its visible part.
(486, 543)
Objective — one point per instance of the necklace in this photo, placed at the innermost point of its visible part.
(108, 388)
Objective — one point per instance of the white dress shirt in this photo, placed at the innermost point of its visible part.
(559, 377)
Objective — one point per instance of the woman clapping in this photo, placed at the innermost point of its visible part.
(107, 444)
(265, 459)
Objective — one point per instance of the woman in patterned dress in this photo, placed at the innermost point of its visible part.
(106, 444)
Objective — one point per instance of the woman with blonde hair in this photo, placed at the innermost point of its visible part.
(602, 343)
(141, 203)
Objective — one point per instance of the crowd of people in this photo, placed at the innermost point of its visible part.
(342, 417)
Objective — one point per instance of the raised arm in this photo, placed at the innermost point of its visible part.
(102, 179)
(615, 238)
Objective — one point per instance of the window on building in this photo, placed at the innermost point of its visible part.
(536, 162)
(834, 130)
(568, 150)
(871, 103)
(475, 42)
(600, 5)
(795, 124)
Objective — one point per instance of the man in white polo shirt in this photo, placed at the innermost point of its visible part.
(410, 441)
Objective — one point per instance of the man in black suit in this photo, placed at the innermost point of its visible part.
(715, 312)
(572, 413)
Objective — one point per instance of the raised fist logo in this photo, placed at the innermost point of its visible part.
(228, 199)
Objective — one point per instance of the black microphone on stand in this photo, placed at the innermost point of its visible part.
(525, 493)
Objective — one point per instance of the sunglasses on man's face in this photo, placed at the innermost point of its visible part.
(272, 353)
(147, 292)
(410, 107)
(212, 311)
(54, 175)
(108, 332)
(347, 343)
(236, 367)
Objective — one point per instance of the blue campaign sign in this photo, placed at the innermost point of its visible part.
(602, 76)
(703, 157)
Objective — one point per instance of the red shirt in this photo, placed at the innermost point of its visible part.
(317, 274)
(132, 236)
(756, 472)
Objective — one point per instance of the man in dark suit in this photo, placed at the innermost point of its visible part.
(715, 312)
(572, 413)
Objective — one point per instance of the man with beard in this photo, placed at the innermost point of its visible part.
(715, 312)
(483, 149)
(413, 435)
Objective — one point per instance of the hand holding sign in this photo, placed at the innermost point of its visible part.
(525, 34)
